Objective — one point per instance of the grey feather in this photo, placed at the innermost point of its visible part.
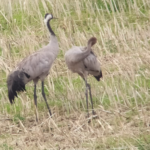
(82, 60)
(34, 67)
(15, 82)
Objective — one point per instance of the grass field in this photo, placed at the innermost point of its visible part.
(121, 98)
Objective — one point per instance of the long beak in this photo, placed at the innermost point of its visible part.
(55, 18)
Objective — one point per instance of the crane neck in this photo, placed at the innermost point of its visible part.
(89, 45)
(49, 28)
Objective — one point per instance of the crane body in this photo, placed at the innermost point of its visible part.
(83, 61)
(35, 67)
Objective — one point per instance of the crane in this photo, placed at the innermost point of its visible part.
(83, 61)
(35, 67)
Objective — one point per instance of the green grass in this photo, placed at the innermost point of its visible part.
(124, 143)
(121, 28)
(0, 51)
(5, 146)
(18, 117)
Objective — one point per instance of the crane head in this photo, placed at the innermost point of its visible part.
(92, 41)
(48, 17)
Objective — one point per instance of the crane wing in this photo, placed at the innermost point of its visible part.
(76, 54)
(37, 63)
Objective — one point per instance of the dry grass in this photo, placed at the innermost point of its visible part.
(109, 131)
(121, 99)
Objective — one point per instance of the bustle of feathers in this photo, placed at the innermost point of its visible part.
(15, 83)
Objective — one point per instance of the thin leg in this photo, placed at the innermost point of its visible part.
(43, 93)
(86, 94)
(91, 98)
(35, 102)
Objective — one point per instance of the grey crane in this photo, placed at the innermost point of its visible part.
(83, 61)
(34, 67)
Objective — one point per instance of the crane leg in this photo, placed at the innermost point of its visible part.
(89, 86)
(35, 102)
(43, 93)
(86, 94)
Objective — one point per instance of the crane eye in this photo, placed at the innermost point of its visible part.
(46, 15)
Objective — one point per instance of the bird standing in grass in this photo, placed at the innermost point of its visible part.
(83, 61)
(34, 67)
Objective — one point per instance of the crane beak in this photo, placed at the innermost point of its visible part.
(55, 18)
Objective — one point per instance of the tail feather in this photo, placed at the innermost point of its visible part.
(15, 83)
(99, 76)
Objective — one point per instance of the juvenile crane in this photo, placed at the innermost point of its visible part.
(83, 61)
(34, 67)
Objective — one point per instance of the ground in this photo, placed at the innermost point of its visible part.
(121, 98)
